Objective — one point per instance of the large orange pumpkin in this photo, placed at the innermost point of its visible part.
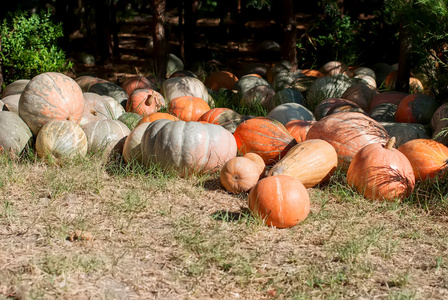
(225, 117)
(299, 128)
(137, 82)
(264, 136)
(348, 132)
(156, 116)
(429, 159)
(188, 108)
(220, 80)
(311, 161)
(380, 172)
(144, 102)
(49, 97)
(280, 201)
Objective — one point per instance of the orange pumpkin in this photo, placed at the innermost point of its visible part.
(348, 132)
(239, 174)
(264, 136)
(312, 162)
(380, 172)
(188, 108)
(225, 117)
(156, 116)
(387, 97)
(135, 83)
(429, 159)
(299, 128)
(257, 160)
(280, 201)
(144, 102)
(219, 80)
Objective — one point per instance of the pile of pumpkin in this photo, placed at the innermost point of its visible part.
(318, 121)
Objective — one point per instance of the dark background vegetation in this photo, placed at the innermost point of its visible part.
(311, 33)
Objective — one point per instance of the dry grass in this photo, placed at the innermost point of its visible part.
(144, 235)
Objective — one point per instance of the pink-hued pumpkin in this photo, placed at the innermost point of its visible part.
(137, 82)
(50, 97)
(144, 102)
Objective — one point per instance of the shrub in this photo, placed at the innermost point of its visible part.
(29, 46)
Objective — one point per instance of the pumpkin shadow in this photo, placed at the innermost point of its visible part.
(231, 216)
(213, 184)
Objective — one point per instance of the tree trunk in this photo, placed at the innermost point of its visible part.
(191, 18)
(1, 73)
(289, 28)
(404, 60)
(158, 33)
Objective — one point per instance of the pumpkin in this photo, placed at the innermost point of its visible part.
(439, 123)
(415, 85)
(48, 97)
(239, 174)
(130, 119)
(429, 158)
(220, 80)
(14, 88)
(109, 89)
(183, 73)
(311, 161)
(105, 135)
(132, 150)
(257, 160)
(96, 107)
(246, 83)
(288, 95)
(361, 94)
(261, 95)
(15, 135)
(299, 128)
(280, 201)
(302, 84)
(188, 108)
(11, 103)
(416, 108)
(187, 147)
(60, 140)
(86, 81)
(384, 112)
(364, 71)
(287, 112)
(137, 82)
(325, 106)
(144, 102)
(284, 78)
(380, 172)
(348, 132)
(324, 88)
(393, 97)
(264, 136)
(404, 132)
(156, 116)
(184, 86)
(381, 70)
(313, 73)
(225, 117)
(276, 68)
(333, 68)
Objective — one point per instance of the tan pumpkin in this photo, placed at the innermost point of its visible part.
(239, 174)
(257, 159)
(311, 161)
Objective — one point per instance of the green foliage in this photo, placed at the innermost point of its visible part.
(335, 37)
(29, 46)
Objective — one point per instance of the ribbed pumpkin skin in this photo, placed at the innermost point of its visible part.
(49, 97)
(439, 122)
(264, 136)
(416, 108)
(157, 116)
(387, 97)
(348, 133)
(361, 94)
(280, 201)
(429, 159)
(239, 174)
(96, 107)
(132, 150)
(312, 162)
(381, 174)
(225, 117)
(299, 128)
(61, 140)
(188, 108)
(104, 135)
(15, 135)
(14, 88)
(187, 147)
(144, 102)
(85, 82)
(184, 86)
(325, 106)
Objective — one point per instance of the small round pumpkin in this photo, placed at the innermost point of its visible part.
(239, 174)
(132, 145)
(380, 172)
(280, 201)
(58, 140)
(188, 108)
(429, 158)
(144, 102)
(257, 160)
(105, 135)
(416, 108)
(137, 82)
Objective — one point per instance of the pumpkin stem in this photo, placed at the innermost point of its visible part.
(70, 118)
(94, 112)
(390, 143)
(149, 99)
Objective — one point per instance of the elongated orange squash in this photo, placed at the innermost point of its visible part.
(311, 161)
